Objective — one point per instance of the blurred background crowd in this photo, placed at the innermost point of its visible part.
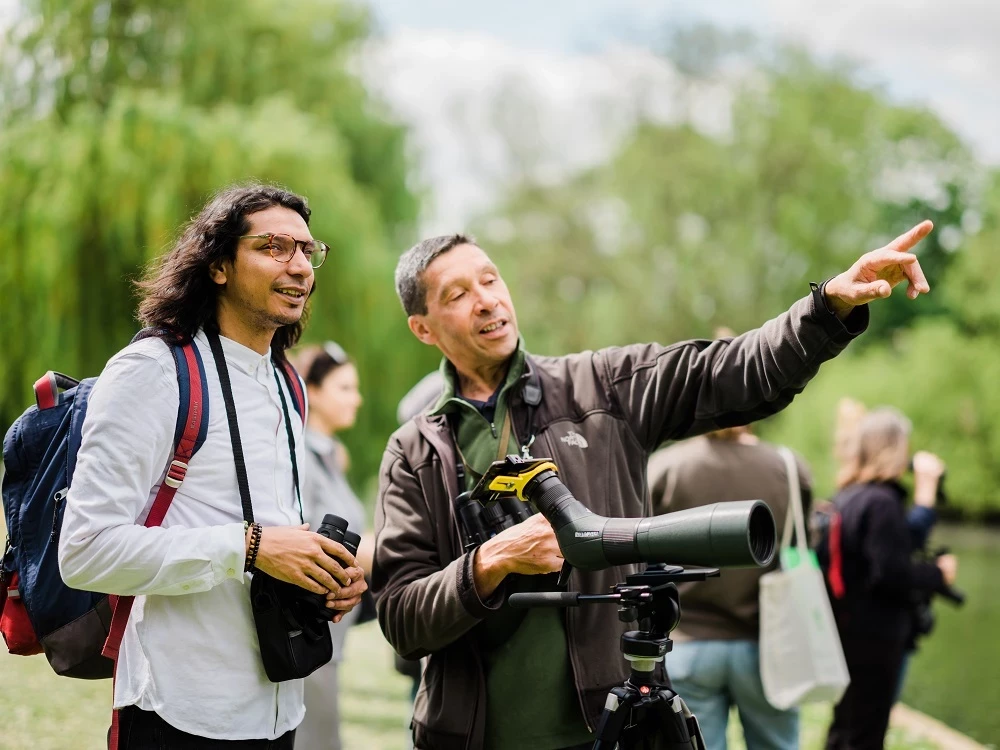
(639, 171)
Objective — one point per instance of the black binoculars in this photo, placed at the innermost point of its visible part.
(292, 624)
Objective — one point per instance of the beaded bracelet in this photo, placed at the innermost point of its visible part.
(255, 533)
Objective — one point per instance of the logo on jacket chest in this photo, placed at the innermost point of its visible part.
(575, 439)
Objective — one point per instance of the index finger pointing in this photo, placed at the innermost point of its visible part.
(918, 282)
(906, 241)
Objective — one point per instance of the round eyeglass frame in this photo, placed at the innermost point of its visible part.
(272, 248)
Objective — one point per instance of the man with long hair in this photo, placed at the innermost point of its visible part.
(189, 672)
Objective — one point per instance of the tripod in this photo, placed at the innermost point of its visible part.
(644, 713)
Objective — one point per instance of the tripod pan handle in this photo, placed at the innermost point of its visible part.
(544, 599)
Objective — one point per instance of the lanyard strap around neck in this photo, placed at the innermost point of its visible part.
(234, 430)
(532, 395)
(291, 442)
(463, 465)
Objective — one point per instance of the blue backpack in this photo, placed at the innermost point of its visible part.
(79, 631)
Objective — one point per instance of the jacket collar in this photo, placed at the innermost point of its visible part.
(449, 399)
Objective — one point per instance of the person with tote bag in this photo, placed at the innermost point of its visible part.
(801, 658)
(715, 661)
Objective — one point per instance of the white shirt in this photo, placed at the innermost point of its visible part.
(190, 650)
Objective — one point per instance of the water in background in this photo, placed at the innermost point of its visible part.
(955, 675)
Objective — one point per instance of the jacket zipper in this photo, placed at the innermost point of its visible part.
(570, 640)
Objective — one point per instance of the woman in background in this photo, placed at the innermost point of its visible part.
(334, 399)
(928, 490)
(874, 615)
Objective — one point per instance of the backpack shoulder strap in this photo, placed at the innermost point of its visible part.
(294, 383)
(189, 435)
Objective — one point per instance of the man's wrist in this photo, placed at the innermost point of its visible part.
(835, 304)
(488, 570)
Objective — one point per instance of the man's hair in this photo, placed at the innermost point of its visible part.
(178, 292)
(411, 266)
(880, 450)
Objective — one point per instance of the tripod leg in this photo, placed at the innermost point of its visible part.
(617, 711)
(659, 720)
(678, 726)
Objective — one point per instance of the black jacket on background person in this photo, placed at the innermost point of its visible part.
(880, 576)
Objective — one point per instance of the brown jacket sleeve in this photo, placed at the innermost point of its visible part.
(422, 604)
(668, 393)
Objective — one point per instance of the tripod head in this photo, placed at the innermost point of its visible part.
(644, 713)
(649, 598)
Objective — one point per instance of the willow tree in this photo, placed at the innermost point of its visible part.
(119, 119)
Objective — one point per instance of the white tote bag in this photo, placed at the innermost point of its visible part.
(801, 659)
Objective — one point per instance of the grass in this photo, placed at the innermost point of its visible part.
(41, 711)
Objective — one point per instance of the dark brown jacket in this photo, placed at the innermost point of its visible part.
(600, 416)
(702, 471)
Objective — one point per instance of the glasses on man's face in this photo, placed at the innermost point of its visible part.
(282, 247)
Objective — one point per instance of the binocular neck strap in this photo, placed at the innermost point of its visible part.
(234, 427)
(291, 440)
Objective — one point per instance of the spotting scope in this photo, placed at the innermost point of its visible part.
(726, 534)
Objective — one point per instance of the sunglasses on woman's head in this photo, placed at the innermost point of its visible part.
(336, 352)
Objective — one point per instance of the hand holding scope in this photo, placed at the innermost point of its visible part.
(728, 534)
(644, 712)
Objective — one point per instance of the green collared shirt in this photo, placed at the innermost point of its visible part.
(478, 438)
(531, 703)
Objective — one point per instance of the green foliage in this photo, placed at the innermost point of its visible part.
(944, 382)
(942, 373)
(119, 122)
(681, 232)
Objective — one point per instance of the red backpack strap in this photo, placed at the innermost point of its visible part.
(835, 574)
(294, 383)
(190, 432)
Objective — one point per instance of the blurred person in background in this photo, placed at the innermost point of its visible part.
(928, 490)
(334, 399)
(598, 415)
(417, 400)
(715, 662)
(880, 578)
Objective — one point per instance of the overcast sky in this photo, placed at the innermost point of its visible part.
(441, 62)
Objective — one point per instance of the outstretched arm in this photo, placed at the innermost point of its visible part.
(693, 387)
